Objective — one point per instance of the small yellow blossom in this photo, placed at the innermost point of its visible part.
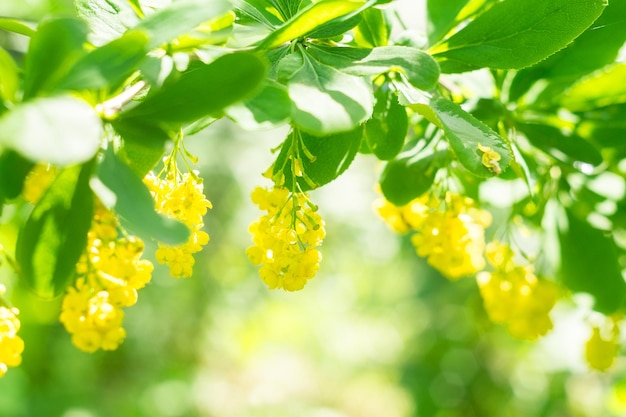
(286, 238)
(11, 345)
(37, 182)
(514, 296)
(603, 345)
(490, 159)
(109, 274)
(181, 197)
(449, 233)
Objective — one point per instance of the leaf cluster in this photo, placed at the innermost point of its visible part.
(101, 94)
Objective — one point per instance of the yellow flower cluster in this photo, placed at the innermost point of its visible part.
(514, 296)
(450, 233)
(109, 275)
(37, 182)
(603, 345)
(285, 239)
(490, 159)
(11, 345)
(181, 197)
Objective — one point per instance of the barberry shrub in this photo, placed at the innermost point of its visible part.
(103, 100)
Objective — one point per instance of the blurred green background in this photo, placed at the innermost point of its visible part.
(376, 334)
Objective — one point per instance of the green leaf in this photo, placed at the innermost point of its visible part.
(15, 26)
(372, 30)
(409, 176)
(269, 108)
(442, 17)
(567, 148)
(386, 130)
(134, 205)
(328, 157)
(597, 47)
(53, 49)
(420, 68)
(516, 33)
(334, 28)
(201, 90)
(310, 18)
(465, 133)
(179, 18)
(109, 65)
(55, 235)
(107, 19)
(606, 133)
(144, 144)
(598, 90)
(325, 100)
(9, 78)
(589, 264)
(13, 171)
(260, 11)
(60, 130)
(287, 8)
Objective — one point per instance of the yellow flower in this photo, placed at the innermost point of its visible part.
(181, 197)
(451, 234)
(490, 158)
(285, 239)
(11, 345)
(37, 182)
(109, 275)
(603, 345)
(514, 296)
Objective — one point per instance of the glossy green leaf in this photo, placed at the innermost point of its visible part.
(260, 11)
(420, 68)
(108, 65)
(589, 264)
(568, 148)
(386, 130)
(53, 49)
(134, 205)
(328, 157)
(15, 26)
(442, 17)
(310, 18)
(595, 48)
(288, 8)
(179, 18)
(334, 28)
(61, 130)
(269, 108)
(465, 133)
(55, 235)
(9, 77)
(373, 29)
(605, 133)
(144, 144)
(201, 90)
(409, 176)
(13, 171)
(107, 19)
(325, 100)
(598, 90)
(516, 33)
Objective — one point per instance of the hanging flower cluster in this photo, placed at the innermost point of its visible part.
(286, 238)
(514, 296)
(109, 275)
(449, 232)
(37, 182)
(603, 345)
(11, 345)
(180, 196)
